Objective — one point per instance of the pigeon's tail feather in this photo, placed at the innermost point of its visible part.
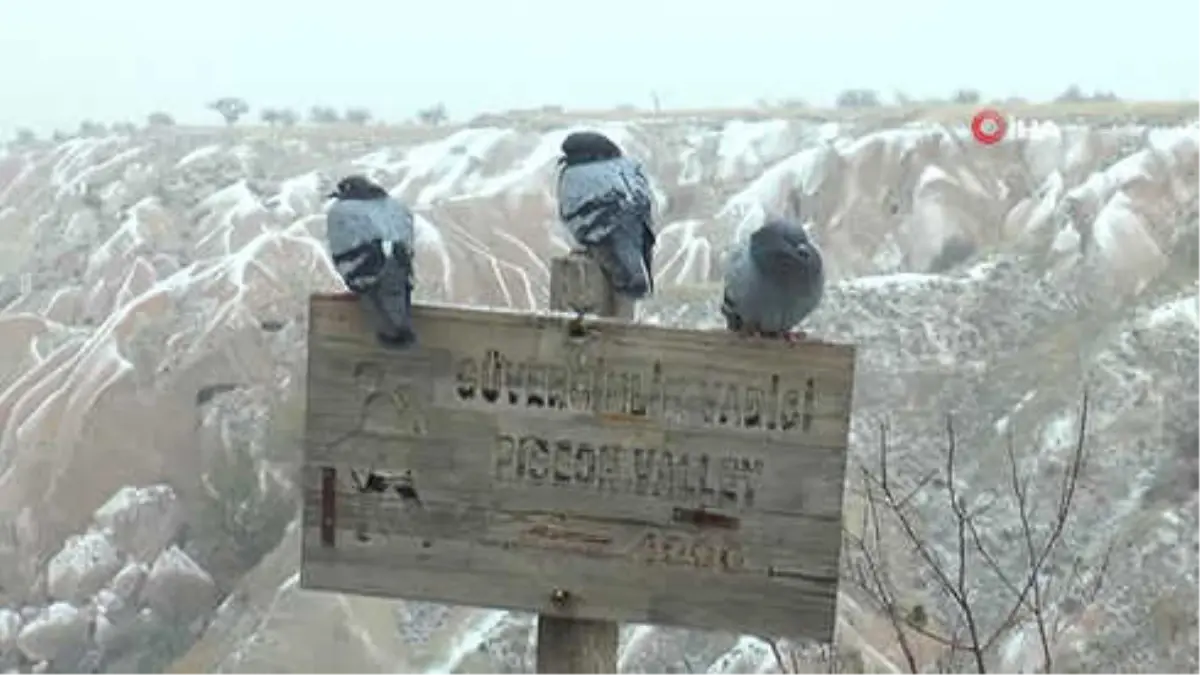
(648, 240)
(626, 263)
(389, 302)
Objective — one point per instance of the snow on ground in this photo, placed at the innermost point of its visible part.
(803, 171)
(222, 286)
(1182, 309)
(231, 202)
(197, 155)
(469, 640)
(448, 166)
(904, 280)
(692, 254)
(296, 191)
(77, 183)
(743, 144)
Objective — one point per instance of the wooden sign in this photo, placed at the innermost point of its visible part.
(594, 469)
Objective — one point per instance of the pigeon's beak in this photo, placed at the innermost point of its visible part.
(332, 195)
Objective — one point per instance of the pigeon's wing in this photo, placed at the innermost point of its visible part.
(810, 288)
(378, 273)
(349, 225)
(589, 195)
(642, 192)
(396, 222)
(352, 223)
(641, 207)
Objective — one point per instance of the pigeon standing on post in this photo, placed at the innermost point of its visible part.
(371, 239)
(605, 202)
(773, 281)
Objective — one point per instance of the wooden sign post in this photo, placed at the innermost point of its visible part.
(591, 471)
(567, 645)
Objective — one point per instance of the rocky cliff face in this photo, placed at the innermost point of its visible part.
(152, 327)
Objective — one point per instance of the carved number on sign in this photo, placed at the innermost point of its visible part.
(670, 548)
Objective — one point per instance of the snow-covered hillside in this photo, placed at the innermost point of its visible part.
(152, 318)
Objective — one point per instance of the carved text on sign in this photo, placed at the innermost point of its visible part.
(765, 403)
(612, 468)
(691, 550)
(394, 408)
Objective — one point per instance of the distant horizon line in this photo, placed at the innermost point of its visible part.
(1011, 105)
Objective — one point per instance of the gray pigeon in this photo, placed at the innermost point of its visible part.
(605, 202)
(773, 282)
(371, 240)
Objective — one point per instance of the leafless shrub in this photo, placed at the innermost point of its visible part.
(488, 120)
(91, 128)
(956, 576)
(323, 114)
(966, 96)
(359, 116)
(242, 514)
(858, 98)
(283, 117)
(814, 658)
(286, 117)
(433, 116)
(1072, 94)
(159, 119)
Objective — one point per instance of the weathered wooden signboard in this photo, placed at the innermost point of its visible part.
(595, 469)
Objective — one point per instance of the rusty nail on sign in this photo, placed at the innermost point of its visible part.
(328, 507)
(703, 518)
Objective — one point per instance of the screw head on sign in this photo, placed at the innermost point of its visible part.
(560, 596)
(989, 127)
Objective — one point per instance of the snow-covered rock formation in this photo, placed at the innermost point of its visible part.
(152, 318)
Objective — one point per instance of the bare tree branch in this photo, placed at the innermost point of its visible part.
(958, 508)
(1030, 593)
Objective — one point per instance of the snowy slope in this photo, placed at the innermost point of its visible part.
(140, 274)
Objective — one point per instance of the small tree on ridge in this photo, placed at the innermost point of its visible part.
(359, 116)
(231, 108)
(159, 119)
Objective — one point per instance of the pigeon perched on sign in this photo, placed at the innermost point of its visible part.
(605, 202)
(773, 281)
(371, 239)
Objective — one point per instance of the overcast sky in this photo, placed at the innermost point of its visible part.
(62, 61)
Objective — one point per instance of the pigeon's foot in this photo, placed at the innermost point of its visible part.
(795, 336)
(398, 340)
